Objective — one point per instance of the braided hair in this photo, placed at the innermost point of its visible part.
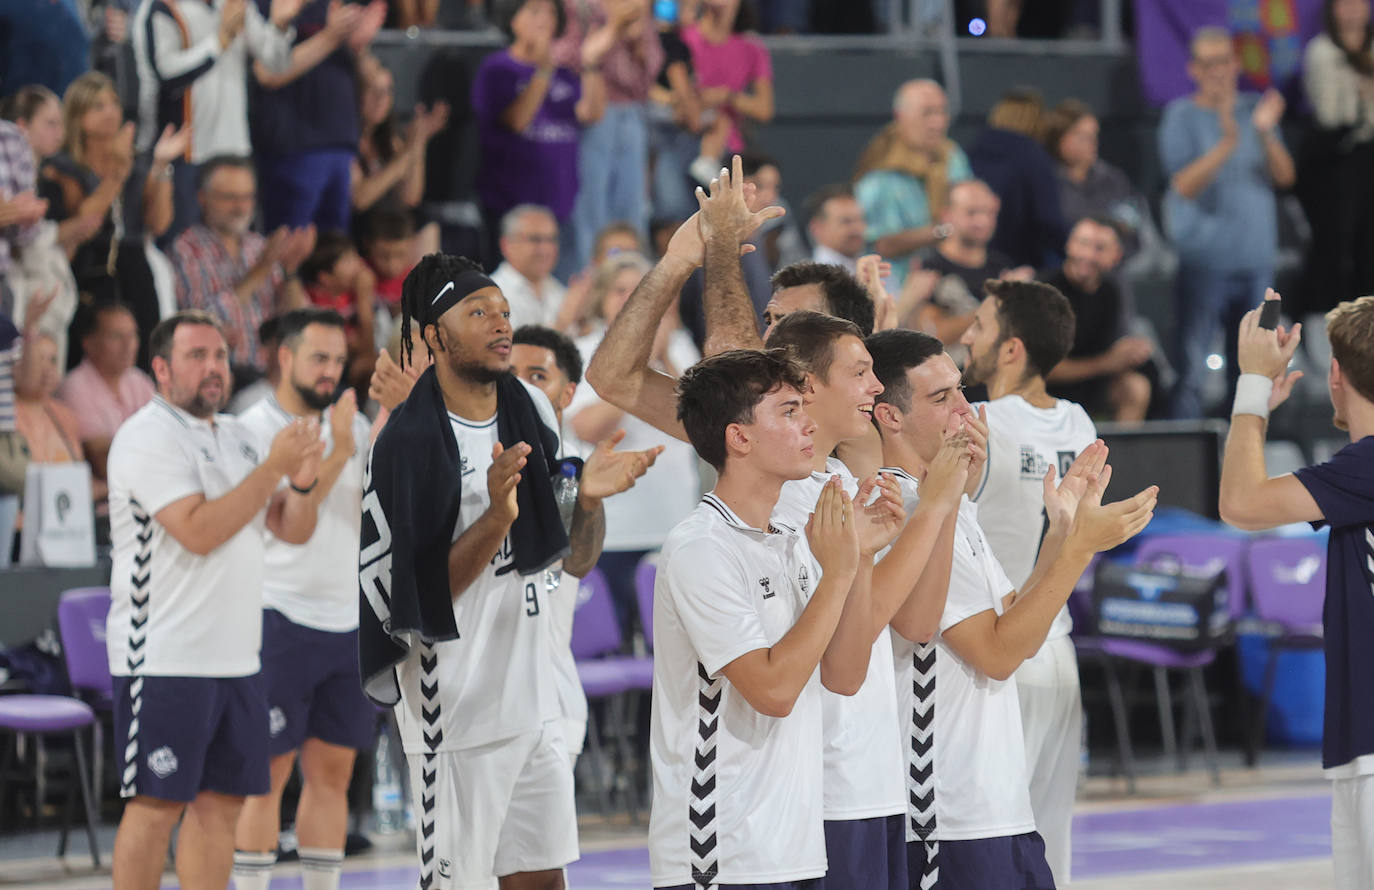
(420, 287)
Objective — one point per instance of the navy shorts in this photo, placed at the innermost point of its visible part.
(1007, 863)
(812, 884)
(313, 687)
(190, 734)
(866, 853)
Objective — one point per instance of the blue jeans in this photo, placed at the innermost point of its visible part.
(1205, 299)
(674, 151)
(311, 186)
(612, 170)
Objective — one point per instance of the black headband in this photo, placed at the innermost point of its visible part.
(451, 294)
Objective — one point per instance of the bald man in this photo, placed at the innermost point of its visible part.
(903, 176)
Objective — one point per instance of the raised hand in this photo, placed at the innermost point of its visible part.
(1268, 111)
(428, 121)
(341, 418)
(298, 244)
(503, 477)
(871, 269)
(879, 518)
(37, 307)
(832, 534)
(1262, 351)
(725, 210)
(390, 386)
(1061, 501)
(369, 23)
(293, 446)
(283, 12)
(1098, 527)
(608, 472)
(171, 145)
(231, 18)
(341, 19)
(948, 474)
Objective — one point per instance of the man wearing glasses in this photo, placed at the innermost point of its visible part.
(529, 253)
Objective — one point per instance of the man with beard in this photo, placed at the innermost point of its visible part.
(1021, 330)
(191, 494)
(310, 618)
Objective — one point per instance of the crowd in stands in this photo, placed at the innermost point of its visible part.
(147, 188)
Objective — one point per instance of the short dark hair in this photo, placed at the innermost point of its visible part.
(269, 331)
(751, 162)
(506, 11)
(1105, 222)
(24, 103)
(330, 247)
(845, 297)
(387, 225)
(894, 353)
(725, 389)
(816, 201)
(221, 162)
(565, 353)
(291, 325)
(88, 317)
(160, 340)
(420, 284)
(809, 337)
(1039, 316)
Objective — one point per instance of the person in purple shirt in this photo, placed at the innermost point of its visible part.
(530, 113)
(1339, 494)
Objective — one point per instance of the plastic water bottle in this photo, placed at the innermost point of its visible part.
(387, 805)
(565, 492)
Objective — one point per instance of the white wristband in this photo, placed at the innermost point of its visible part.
(1252, 395)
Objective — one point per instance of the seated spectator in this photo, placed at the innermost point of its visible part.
(734, 76)
(530, 114)
(389, 170)
(579, 302)
(615, 279)
(106, 388)
(614, 238)
(98, 173)
(837, 227)
(49, 427)
(903, 177)
(389, 246)
(529, 253)
(335, 277)
(232, 272)
(18, 372)
(957, 266)
(1009, 158)
(1106, 370)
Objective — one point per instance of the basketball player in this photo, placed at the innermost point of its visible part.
(1021, 330)
(310, 619)
(741, 629)
(970, 809)
(1339, 494)
(460, 527)
(191, 493)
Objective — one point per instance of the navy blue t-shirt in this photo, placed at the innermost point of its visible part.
(1343, 488)
(318, 110)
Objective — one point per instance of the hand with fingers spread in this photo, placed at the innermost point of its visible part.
(688, 243)
(1269, 352)
(171, 145)
(1098, 527)
(879, 513)
(1061, 501)
(833, 535)
(725, 211)
(608, 472)
(503, 480)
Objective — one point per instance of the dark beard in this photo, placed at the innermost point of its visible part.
(478, 373)
(312, 398)
(201, 407)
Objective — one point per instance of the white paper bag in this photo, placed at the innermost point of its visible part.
(59, 516)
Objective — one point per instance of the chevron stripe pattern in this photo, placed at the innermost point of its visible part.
(701, 806)
(434, 736)
(139, 593)
(921, 766)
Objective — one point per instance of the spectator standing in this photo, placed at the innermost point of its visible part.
(106, 388)
(1224, 157)
(734, 77)
(613, 153)
(233, 273)
(529, 253)
(193, 61)
(306, 119)
(1008, 157)
(676, 122)
(530, 113)
(837, 227)
(1336, 180)
(903, 176)
(21, 209)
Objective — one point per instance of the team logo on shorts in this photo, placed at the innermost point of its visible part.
(276, 721)
(162, 762)
(767, 589)
(445, 868)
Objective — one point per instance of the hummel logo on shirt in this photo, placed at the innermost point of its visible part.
(767, 591)
(464, 469)
(804, 578)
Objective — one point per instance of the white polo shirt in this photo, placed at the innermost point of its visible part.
(315, 584)
(528, 306)
(173, 613)
(737, 794)
(495, 681)
(1024, 442)
(980, 783)
(863, 758)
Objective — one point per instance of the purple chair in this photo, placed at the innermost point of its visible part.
(41, 716)
(596, 633)
(645, 575)
(1288, 589)
(81, 622)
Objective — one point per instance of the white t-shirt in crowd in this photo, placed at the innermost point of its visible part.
(315, 584)
(1024, 442)
(496, 680)
(734, 790)
(173, 613)
(528, 306)
(863, 758)
(639, 519)
(980, 779)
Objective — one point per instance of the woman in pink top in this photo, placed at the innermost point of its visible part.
(734, 74)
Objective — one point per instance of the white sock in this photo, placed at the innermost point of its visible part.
(320, 868)
(253, 871)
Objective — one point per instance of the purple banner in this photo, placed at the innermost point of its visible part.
(1270, 36)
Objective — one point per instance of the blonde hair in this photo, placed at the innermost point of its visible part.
(608, 271)
(80, 97)
(1020, 110)
(1350, 328)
